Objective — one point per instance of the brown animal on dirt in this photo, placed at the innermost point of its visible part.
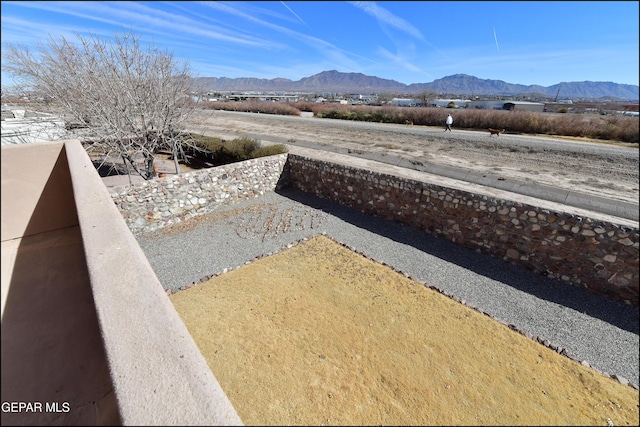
(496, 132)
(156, 173)
(408, 122)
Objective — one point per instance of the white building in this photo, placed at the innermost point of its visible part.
(444, 103)
(403, 102)
(507, 105)
(22, 127)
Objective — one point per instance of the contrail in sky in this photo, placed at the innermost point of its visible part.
(496, 38)
(296, 15)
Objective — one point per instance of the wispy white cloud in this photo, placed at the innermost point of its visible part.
(291, 39)
(295, 14)
(401, 33)
(398, 60)
(383, 16)
(21, 32)
(130, 14)
(535, 64)
(341, 58)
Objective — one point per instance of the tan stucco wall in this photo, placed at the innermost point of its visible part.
(85, 322)
(52, 353)
(36, 190)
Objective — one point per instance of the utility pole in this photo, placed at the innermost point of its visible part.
(557, 93)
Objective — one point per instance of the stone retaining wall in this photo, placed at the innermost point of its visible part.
(165, 201)
(597, 255)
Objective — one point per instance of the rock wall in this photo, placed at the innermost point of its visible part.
(599, 256)
(165, 201)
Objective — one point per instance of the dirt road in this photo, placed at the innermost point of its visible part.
(606, 170)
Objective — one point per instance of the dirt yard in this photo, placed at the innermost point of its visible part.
(598, 168)
(320, 335)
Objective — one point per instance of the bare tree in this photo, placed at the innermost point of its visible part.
(127, 101)
(426, 96)
(385, 98)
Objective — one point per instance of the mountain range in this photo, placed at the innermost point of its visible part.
(457, 84)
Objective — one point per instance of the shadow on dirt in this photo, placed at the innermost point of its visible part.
(109, 169)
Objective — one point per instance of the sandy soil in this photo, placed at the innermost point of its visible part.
(577, 164)
(320, 335)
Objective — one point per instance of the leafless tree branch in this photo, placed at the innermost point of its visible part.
(128, 101)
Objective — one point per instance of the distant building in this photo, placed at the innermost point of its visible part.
(507, 105)
(536, 107)
(444, 103)
(403, 102)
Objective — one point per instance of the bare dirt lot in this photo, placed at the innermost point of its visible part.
(320, 335)
(588, 166)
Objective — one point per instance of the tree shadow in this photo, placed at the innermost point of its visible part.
(109, 169)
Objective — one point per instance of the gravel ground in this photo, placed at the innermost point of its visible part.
(600, 332)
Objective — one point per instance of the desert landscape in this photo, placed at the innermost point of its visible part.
(593, 167)
(385, 272)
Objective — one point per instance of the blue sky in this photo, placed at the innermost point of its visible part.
(411, 42)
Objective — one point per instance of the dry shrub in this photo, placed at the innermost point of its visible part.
(617, 128)
(253, 106)
(614, 128)
(240, 148)
(568, 125)
(529, 122)
(210, 144)
(221, 152)
(479, 119)
(629, 129)
(426, 116)
(303, 105)
(269, 150)
(328, 110)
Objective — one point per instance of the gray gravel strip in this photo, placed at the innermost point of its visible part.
(588, 327)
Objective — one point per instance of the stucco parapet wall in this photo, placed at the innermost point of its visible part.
(586, 249)
(157, 372)
(160, 202)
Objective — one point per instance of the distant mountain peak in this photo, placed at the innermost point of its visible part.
(462, 84)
